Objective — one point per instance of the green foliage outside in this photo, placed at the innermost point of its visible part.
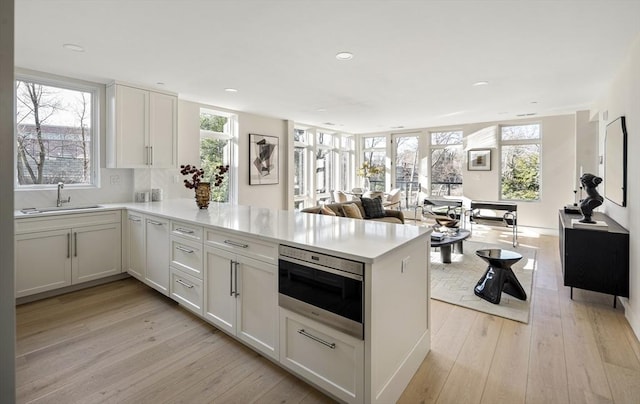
(521, 177)
(212, 152)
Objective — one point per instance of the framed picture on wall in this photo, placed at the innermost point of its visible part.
(263, 159)
(479, 160)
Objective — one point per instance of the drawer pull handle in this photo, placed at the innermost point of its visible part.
(154, 223)
(331, 345)
(180, 281)
(236, 244)
(183, 230)
(184, 249)
(134, 219)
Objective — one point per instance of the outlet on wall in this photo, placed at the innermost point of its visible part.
(114, 179)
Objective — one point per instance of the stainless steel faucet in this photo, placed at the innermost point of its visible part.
(60, 201)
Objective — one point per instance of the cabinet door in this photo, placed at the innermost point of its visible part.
(157, 254)
(43, 261)
(162, 129)
(132, 131)
(257, 311)
(96, 252)
(219, 297)
(136, 260)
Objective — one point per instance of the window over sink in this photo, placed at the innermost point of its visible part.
(56, 134)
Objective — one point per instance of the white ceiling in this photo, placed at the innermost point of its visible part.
(414, 64)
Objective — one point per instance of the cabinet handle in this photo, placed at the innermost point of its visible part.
(134, 219)
(75, 243)
(68, 245)
(154, 223)
(180, 281)
(231, 278)
(151, 155)
(236, 244)
(146, 155)
(183, 230)
(331, 345)
(236, 279)
(185, 249)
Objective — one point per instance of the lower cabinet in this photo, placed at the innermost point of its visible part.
(328, 358)
(187, 290)
(240, 297)
(56, 251)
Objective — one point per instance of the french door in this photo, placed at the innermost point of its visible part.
(405, 169)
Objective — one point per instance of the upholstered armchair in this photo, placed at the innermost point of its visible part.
(392, 200)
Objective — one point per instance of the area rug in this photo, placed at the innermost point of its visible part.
(453, 283)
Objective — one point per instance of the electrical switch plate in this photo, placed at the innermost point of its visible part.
(405, 264)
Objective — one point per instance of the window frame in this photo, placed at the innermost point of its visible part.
(230, 133)
(97, 96)
(521, 142)
(443, 146)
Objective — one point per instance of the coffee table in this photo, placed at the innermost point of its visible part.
(499, 276)
(448, 242)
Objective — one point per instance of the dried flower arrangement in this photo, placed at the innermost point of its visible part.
(195, 173)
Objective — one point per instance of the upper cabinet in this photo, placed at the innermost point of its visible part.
(141, 127)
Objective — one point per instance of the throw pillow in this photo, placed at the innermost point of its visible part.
(326, 211)
(351, 210)
(373, 207)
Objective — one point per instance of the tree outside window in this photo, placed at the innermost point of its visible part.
(446, 163)
(215, 150)
(520, 168)
(54, 134)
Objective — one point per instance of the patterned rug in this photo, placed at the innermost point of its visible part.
(453, 283)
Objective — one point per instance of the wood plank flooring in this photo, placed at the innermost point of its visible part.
(125, 343)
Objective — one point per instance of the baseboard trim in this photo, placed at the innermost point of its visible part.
(72, 288)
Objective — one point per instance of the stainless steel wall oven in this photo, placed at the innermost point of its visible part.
(322, 287)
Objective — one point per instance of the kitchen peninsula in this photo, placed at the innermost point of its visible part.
(222, 264)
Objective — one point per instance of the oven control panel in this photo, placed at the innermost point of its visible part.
(324, 260)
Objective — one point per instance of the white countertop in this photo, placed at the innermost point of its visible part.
(364, 240)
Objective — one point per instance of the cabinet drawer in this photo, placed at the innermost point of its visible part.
(186, 290)
(186, 230)
(324, 356)
(65, 221)
(248, 247)
(187, 256)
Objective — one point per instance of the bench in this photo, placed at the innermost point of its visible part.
(508, 218)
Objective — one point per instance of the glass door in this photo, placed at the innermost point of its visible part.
(406, 167)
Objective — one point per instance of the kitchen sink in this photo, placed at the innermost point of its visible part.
(30, 211)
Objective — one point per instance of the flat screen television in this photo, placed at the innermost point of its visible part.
(615, 162)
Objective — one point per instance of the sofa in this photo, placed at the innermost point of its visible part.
(390, 216)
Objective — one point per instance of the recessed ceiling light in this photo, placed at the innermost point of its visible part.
(534, 102)
(397, 127)
(160, 83)
(231, 90)
(480, 83)
(321, 110)
(344, 56)
(73, 47)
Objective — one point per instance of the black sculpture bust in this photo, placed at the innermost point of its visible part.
(593, 200)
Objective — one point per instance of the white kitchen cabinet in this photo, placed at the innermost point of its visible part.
(241, 298)
(136, 253)
(323, 355)
(187, 290)
(56, 251)
(141, 127)
(157, 253)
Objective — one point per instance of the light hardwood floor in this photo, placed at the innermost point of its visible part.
(124, 343)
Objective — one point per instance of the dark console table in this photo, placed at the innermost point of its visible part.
(592, 259)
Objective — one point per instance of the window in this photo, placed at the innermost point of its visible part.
(217, 143)
(56, 133)
(347, 162)
(374, 155)
(325, 167)
(446, 163)
(520, 162)
(301, 147)
(407, 166)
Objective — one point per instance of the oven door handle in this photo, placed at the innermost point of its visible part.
(321, 268)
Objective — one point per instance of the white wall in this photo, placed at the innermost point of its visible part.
(7, 298)
(268, 196)
(622, 99)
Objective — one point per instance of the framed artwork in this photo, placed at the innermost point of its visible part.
(479, 160)
(263, 159)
